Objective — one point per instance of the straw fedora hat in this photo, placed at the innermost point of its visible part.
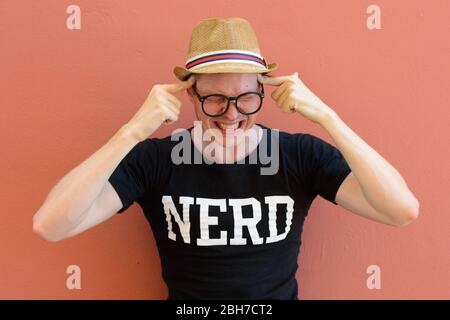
(223, 45)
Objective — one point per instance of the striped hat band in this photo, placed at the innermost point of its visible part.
(239, 56)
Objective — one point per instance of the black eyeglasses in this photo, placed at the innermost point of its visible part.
(216, 105)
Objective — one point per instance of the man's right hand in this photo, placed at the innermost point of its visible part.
(161, 106)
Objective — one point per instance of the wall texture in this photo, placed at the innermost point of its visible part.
(64, 93)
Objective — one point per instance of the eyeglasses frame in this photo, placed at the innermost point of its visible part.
(203, 98)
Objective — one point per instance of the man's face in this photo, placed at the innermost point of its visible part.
(229, 84)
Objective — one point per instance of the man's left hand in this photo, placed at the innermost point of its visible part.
(292, 95)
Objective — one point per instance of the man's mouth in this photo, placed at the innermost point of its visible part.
(229, 127)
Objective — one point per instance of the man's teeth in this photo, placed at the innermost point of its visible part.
(233, 126)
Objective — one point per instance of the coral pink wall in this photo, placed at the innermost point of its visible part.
(64, 93)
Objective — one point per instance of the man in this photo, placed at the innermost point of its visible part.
(224, 226)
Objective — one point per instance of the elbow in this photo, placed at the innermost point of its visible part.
(43, 232)
(408, 215)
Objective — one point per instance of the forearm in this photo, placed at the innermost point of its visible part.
(76, 191)
(382, 185)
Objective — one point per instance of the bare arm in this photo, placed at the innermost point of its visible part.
(66, 205)
(382, 186)
(84, 197)
(374, 189)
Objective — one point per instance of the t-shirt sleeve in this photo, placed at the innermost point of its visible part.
(324, 165)
(135, 173)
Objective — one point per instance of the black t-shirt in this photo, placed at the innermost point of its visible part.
(226, 231)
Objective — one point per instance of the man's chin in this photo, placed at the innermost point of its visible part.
(229, 138)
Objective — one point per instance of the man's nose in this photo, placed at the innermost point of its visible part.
(232, 113)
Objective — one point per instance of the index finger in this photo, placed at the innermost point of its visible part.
(183, 85)
(274, 81)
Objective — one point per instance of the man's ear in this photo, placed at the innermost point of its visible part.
(190, 90)
(190, 93)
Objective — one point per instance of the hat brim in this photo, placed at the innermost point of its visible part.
(223, 67)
